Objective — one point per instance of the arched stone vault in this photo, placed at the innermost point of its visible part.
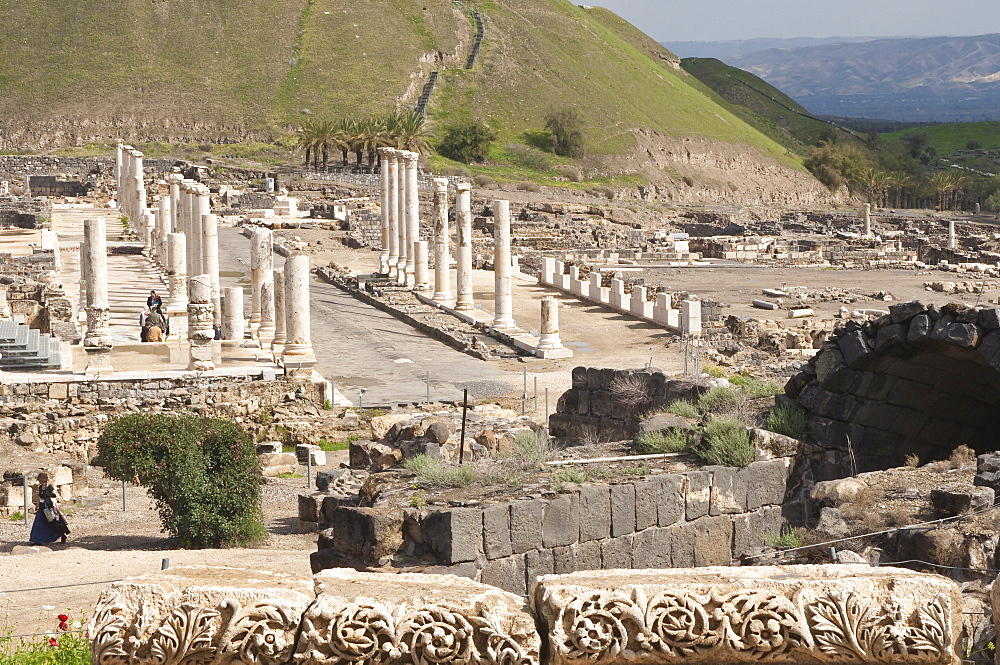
(922, 380)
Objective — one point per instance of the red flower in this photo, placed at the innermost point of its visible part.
(63, 617)
(53, 642)
(63, 625)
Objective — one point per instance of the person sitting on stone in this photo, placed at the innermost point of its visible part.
(156, 324)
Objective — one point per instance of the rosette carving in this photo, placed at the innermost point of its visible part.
(595, 627)
(261, 634)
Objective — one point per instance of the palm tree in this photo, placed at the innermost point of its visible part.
(411, 132)
(305, 138)
(371, 136)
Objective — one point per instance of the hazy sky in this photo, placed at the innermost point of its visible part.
(715, 20)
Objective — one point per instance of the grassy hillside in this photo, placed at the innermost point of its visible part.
(225, 70)
(952, 137)
(762, 105)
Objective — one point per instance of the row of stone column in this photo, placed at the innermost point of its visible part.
(400, 204)
(462, 300)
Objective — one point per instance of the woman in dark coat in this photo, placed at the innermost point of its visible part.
(43, 529)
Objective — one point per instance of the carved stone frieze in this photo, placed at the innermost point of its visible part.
(790, 614)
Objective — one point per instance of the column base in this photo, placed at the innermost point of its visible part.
(549, 343)
(503, 324)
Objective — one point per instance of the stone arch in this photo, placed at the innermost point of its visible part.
(921, 380)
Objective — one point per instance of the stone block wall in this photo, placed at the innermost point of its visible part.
(699, 518)
(593, 408)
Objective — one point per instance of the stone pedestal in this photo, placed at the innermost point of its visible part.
(421, 276)
(297, 357)
(201, 331)
(463, 253)
(383, 259)
(261, 268)
(97, 341)
(442, 274)
(391, 166)
(549, 333)
(233, 323)
(280, 314)
(691, 318)
(503, 294)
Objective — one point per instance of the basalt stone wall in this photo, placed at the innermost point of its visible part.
(19, 167)
(608, 404)
(921, 380)
(699, 518)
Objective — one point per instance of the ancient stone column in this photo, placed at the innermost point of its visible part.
(200, 207)
(184, 223)
(442, 274)
(174, 180)
(210, 259)
(201, 330)
(164, 227)
(297, 357)
(118, 163)
(549, 333)
(383, 259)
(280, 314)
(463, 252)
(137, 193)
(421, 274)
(97, 341)
(261, 269)
(5, 313)
(148, 232)
(868, 220)
(401, 217)
(392, 209)
(265, 331)
(951, 234)
(176, 273)
(503, 295)
(412, 213)
(233, 323)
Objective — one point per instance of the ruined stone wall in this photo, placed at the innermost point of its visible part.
(698, 518)
(19, 167)
(68, 416)
(594, 409)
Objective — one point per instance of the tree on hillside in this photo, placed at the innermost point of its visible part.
(467, 141)
(409, 131)
(566, 126)
(836, 165)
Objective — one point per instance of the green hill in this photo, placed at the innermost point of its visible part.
(762, 105)
(952, 137)
(223, 71)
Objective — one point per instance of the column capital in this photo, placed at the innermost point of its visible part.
(410, 158)
(440, 184)
(463, 186)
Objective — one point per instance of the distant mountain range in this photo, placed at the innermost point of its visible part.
(737, 47)
(942, 79)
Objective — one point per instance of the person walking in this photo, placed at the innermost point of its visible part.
(50, 524)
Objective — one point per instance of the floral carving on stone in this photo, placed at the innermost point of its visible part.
(799, 621)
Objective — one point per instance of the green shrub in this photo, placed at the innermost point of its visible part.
(533, 450)
(719, 398)
(467, 141)
(566, 126)
(17, 516)
(528, 187)
(571, 475)
(636, 470)
(203, 474)
(754, 388)
(61, 645)
(726, 442)
(570, 172)
(714, 371)
(788, 419)
(671, 440)
(787, 538)
(432, 472)
(484, 181)
(684, 409)
(529, 158)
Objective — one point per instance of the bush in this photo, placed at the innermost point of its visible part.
(528, 187)
(203, 474)
(602, 191)
(787, 419)
(727, 443)
(484, 181)
(684, 409)
(529, 158)
(566, 127)
(570, 172)
(719, 398)
(456, 171)
(467, 141)
(632, 390)
(432, 472)
(787, 538)
(672, 440)
(571, 475)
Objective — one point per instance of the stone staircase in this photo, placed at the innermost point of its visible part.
(425, 95)
(478, 43)
(24, 348)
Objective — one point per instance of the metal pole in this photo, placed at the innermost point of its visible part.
(27, 496)
(361, 397)
(427, 380)
(536, 395)
(546, 406)
(461, 440)
(309, 468)
(164, 564)
(524, 393)
(124, 499)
